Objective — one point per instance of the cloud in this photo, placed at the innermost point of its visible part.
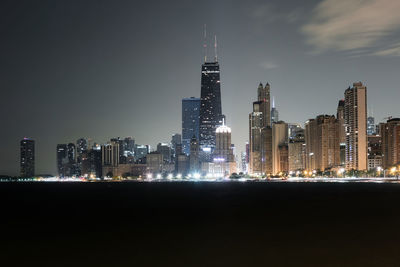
(353, 25)
(268, 65)
(392, 51)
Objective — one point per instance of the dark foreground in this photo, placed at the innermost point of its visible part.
(199, 224)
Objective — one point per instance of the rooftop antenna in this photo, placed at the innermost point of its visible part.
(273, 102)
(215, 49)
(205, 43)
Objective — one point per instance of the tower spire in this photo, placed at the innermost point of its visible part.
(273, 102)
(215, 49)
(205, 43)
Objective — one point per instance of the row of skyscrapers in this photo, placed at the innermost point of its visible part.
(347, 141)
(328, 143)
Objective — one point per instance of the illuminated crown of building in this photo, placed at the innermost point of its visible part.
(223, 128)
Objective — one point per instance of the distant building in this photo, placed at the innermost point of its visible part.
(190, 121)
(176, 140)
(371, 128)
(62, 160)
(165, 150)
(279, 138)
(141, 151)
(129, 147)
(182, 164)
(194, 157)
(274, 113)
(342, 132)
(355, 115)
(297, 151)
(224, 162)
(91, 163)
(155, 163)
(126, 170)
(210, 107)
(110, 154)
(322, 143)
(27, 157)
(260, 133)
(374, 152)
(390, 133)
(283, 158)
(121, 144)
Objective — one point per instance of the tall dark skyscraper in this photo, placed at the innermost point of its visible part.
(210, 105)
(62, 159)
(260, 151)
(190, 121)
(27, 162)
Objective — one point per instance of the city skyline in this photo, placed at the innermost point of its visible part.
(58, 103)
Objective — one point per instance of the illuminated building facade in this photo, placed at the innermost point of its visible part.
(297, 151)
(390, 133)
(210, 107)
(355, 116)
(279, 139)
(342, 132)
(322, 143)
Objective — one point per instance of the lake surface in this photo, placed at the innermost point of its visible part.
(200, 224)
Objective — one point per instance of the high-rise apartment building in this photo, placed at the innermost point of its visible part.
(322, 143)
(374, 152)
(296, 148)
(390, 133)
(355, 116)
(190, 121)
(27, 157)
(342, 132)
(279, 139)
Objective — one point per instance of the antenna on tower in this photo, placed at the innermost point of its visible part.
(273, 101)
(215, 49)
(205, 43)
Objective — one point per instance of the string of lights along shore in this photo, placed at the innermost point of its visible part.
(348, 144)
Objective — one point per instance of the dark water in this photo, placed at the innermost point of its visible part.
(199, 224)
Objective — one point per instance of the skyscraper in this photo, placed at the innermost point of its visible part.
(342, 132)
(260, 133)
(355, 116)
(165, 150)
(322, 143)
(390, 133)
(371, 129)
(176, 140)
(190, 121)
(274, 113)
(110, 154)
(223, 158)
(194, 162)
(297, 151)
(81, 149)
(27, 157)
(62, 159)
(279, 144)
(210, 105)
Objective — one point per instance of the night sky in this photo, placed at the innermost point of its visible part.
(103, 69)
